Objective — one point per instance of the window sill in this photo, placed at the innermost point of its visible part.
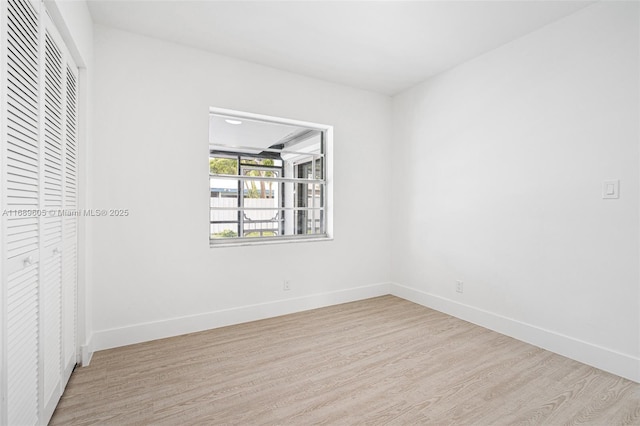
(268, 242)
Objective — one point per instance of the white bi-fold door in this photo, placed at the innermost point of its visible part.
(39, 171)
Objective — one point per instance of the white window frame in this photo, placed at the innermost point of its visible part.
(327, 132)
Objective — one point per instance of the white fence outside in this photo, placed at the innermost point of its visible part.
(251, 215)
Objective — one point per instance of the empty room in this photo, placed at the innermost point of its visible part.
(413, 212)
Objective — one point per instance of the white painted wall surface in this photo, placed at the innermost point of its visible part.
(500, 164)
(154, 273)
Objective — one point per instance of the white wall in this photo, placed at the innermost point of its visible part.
(495, 177)
(154, 273)
(498, 179)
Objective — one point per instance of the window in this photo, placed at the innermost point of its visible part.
(268, 178)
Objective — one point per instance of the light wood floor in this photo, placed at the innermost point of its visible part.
(378, 361)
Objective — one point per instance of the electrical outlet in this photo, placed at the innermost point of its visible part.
(286, 285)
(459, 287)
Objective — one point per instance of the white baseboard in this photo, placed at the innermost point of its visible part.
(605, 359)
(86, 353)
(116, 337)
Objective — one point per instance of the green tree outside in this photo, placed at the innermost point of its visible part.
(223, 166)
(229, 166)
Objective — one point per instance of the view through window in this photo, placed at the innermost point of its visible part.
(267, 178)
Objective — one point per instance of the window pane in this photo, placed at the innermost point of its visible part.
(263, 190)
(316, 196)
(262, 222)
(223, 223)
(309, 221)
(223, 189)
(319, 170)
(302, 198)
(223, 166)
(224, 231)
(301, 221)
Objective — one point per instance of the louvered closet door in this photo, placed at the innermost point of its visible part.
(21, 231)
(70, 224)
(59, 236)
(39, 230)
(51, 258)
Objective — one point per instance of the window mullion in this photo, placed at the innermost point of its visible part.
(240, 201)
(267, 178)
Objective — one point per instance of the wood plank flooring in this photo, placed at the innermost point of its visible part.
(378, 361)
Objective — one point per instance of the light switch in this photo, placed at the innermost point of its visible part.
(611, 189)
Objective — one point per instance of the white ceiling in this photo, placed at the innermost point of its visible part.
(383, 46)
